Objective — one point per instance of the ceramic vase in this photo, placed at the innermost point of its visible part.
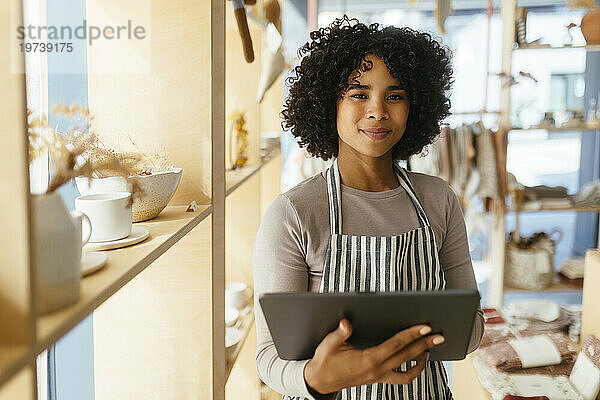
(56, 253)
(590, 26)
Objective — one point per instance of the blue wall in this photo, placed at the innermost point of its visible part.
(71, 360)
(587, 223)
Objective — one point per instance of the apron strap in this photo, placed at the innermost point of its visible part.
(335, 199)
(405, 182)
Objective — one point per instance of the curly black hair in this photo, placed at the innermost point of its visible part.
(419, 62)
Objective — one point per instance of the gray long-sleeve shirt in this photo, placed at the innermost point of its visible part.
(291, 244)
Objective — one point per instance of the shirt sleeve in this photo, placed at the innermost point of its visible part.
(279, 266)
(456, 262)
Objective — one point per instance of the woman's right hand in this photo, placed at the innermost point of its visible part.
(337, 364)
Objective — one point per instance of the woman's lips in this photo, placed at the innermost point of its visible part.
(376, 135)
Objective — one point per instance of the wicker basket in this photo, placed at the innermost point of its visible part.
(531, 265)
(531, 268)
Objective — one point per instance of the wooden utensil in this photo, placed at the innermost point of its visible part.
(240, 16)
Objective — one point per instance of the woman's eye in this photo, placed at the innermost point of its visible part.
(393, 97)
(396, 97)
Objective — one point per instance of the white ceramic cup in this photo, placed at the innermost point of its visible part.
(237, 294)
(109, 214)
(79, 218)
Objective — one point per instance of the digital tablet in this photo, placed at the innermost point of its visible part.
(298, 321)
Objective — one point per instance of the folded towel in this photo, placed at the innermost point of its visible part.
(591, 348)
(504, 357)
(586, 372)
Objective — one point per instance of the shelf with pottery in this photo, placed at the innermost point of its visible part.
(162, 318)
(235, 178)
(245, 326)
(511, 32)
(182, 261)
(577, 128)
(557, 285)
(575, 209)
(591, 47)
(245, 208)
(122, 266)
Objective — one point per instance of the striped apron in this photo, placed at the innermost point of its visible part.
(385, 263)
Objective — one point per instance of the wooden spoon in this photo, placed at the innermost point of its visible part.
(240, 16)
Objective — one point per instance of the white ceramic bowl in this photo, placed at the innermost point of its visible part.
(158, 190)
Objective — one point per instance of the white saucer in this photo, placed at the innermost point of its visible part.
(232, 337)
(137, 234)
(231, 316)
(92, 261)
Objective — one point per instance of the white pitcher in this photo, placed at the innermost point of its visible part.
(57, 245)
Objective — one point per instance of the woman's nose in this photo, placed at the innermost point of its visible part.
(377, 110)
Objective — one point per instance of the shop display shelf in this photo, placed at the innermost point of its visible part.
(582, 128)
(576, 209)
(12, 359)
(545, 47)
(558, 285)
(235, 178)
(247, 323)
(122, 266)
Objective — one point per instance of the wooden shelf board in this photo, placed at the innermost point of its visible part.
(577, 209)
(122, 266)
(557, 285)
(557, 129)
(247, 325)
(12, 360)
(235, 178)
(538, 47)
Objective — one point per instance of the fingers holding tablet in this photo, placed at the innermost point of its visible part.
(403, 378)
(408, 344)
(337, 364)
(399, 341)
(413, 351)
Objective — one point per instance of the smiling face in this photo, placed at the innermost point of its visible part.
(372, 114)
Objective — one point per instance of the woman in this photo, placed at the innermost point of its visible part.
(368, 97)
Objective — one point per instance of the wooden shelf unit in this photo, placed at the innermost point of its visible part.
(16, 299)
(246, 326)
(543, 47)
(465, 382)
(576, 209)
(235, 178)
(557, 285)
(498, 226)
(123, 265)
(160, 302)
(582, 128)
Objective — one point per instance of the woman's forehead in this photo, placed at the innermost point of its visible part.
(378, 74)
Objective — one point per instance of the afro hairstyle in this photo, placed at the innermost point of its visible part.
(420, 63)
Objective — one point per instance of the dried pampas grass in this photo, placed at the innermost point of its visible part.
(574, 4)
(77, 152)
